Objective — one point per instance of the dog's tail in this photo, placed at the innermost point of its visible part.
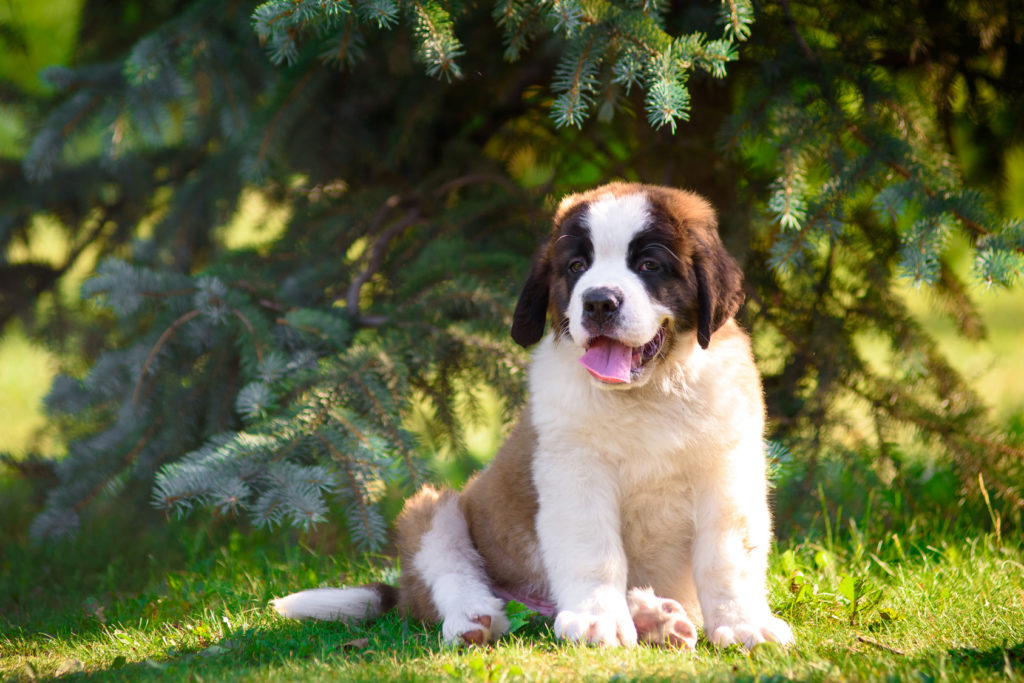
(338, 604)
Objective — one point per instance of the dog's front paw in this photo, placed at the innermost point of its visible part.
(605, 628)
(477, 628)
(660, 621)
(750, 632)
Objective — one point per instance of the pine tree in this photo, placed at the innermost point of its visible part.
(416, 162)
(862, 192)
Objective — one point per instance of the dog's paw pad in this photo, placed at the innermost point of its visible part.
(474, 637)
(475, 629)
(681, 633)
(751, 632)
(479, 636)
(595, 629)
(661, 621)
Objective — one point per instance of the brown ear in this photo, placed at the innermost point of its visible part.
(532, 307)
(719, 287)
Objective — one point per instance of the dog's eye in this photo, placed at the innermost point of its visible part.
(649, 266)
(577, 265)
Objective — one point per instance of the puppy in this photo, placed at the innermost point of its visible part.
(630, 500)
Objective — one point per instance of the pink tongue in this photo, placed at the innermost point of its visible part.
(608, 360)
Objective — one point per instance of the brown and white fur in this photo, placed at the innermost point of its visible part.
(635, 508)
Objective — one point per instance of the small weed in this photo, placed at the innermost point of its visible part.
(519, 615)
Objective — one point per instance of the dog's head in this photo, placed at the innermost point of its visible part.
(629, 271)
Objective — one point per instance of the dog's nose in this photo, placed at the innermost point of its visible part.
(600, 304)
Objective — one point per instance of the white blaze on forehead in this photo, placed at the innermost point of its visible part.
(613, 222)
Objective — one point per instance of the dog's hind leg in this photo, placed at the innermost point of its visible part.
(443, 577)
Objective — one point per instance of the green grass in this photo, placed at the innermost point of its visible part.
(141, 598)
(144, 599)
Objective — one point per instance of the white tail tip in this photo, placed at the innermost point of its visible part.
(331, 604)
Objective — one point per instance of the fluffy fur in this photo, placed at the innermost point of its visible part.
(637, 508)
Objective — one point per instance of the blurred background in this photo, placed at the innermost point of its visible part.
(257, 264)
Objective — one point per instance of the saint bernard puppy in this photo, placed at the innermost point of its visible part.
(629, 502)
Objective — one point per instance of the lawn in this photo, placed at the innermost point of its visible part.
(916, 594)
(187, 601)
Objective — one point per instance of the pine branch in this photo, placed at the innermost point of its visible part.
(566, 16)
(347, 47)
(791, 25)
(128, 459)
(252, 333)
(392, 430)
(382, 12)
(358, 499)
(167, 334)
(450, 186)
(788, 201)
(737, 17)
(517, 19)
(377, 254)
(292, 96)
(439, 47)
(952, 437)
(575, 78)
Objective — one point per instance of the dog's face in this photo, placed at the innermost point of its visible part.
(629, 271)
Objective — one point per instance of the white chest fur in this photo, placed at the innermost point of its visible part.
(674, 423)
(654, 455)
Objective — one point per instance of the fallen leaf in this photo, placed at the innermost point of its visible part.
(95, 608)
(68, 666)
(357, 644)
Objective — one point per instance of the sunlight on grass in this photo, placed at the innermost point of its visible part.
(910, 606)
(994, 367)
(26, 368)
(26, 371)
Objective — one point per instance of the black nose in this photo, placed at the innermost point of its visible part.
(600, 304)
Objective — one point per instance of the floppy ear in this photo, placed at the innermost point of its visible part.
(719, 288)
(532, 307)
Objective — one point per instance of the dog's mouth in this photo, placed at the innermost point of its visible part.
(611, 361)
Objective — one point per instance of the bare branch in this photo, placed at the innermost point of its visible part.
(255, 340)
(168, 333)
(380, 247)
(791, 23)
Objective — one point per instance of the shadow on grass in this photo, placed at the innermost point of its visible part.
(290, 650)
(394, 647)
(120, 569)
(1005, 659)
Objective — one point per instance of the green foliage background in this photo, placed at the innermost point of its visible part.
(299, 228)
